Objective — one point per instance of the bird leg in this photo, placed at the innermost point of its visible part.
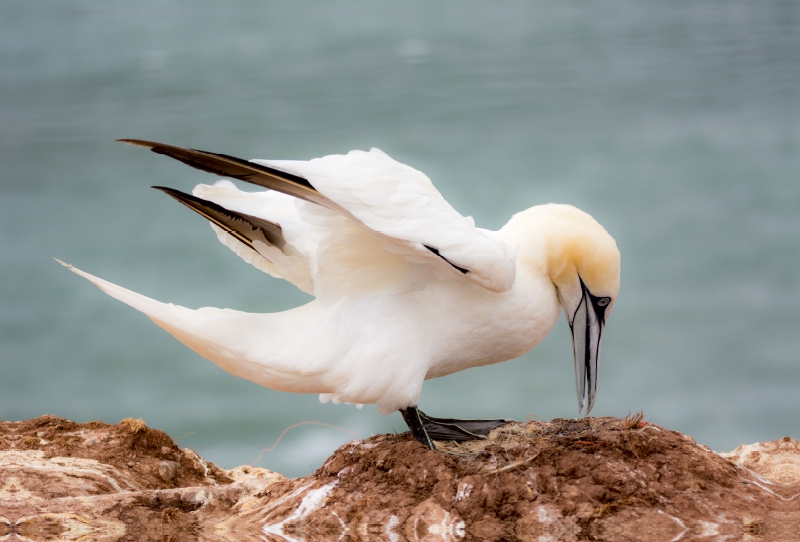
(413, 418)
(426, 428)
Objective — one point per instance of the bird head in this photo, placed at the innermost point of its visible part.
(583, 262)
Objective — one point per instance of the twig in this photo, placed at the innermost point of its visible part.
(298, 425)
(512, 465)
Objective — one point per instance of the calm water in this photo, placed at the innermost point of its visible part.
(677, 126)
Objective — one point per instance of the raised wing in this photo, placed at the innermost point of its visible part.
(394, 202)
(256, 240)
(340, 256)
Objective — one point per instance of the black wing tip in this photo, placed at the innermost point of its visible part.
(229, 166)
(272, 232)
(139, 143)
(177, 194)
(184, 197)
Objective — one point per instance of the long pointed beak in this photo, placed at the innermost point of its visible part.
(587, 330)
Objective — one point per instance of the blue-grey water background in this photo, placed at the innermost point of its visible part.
(675, 124)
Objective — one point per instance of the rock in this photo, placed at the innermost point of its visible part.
(778, 461)
(586, 479)
(167, 470)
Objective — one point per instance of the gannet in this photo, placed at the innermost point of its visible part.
(405, 287)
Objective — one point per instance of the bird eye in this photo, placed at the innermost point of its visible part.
(603, 301)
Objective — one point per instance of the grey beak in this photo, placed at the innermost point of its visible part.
(587, 330)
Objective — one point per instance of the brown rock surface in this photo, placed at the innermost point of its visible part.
(586, 479)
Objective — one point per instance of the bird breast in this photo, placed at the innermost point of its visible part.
(472, 327)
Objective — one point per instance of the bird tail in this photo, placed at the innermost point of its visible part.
(231, 339)
(173, 318)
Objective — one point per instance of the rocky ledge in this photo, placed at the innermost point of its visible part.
(588, 479)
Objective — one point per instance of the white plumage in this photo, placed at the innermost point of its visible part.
(406, 288)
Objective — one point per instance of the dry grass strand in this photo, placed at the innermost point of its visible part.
(135, 425)
(633, 421)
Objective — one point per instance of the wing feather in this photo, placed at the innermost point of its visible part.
(247, 229)
(236, 168)
(392, 201)
(256, 240)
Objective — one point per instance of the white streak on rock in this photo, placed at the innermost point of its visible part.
(313, 500)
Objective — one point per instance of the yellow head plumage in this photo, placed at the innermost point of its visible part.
(566, 243)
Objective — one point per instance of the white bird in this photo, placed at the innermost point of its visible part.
(406, 288)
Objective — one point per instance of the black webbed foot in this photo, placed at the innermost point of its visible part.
(458, 430)
(426, 428)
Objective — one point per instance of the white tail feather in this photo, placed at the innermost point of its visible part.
(232, 339)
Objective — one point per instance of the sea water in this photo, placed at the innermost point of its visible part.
(674, 124)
